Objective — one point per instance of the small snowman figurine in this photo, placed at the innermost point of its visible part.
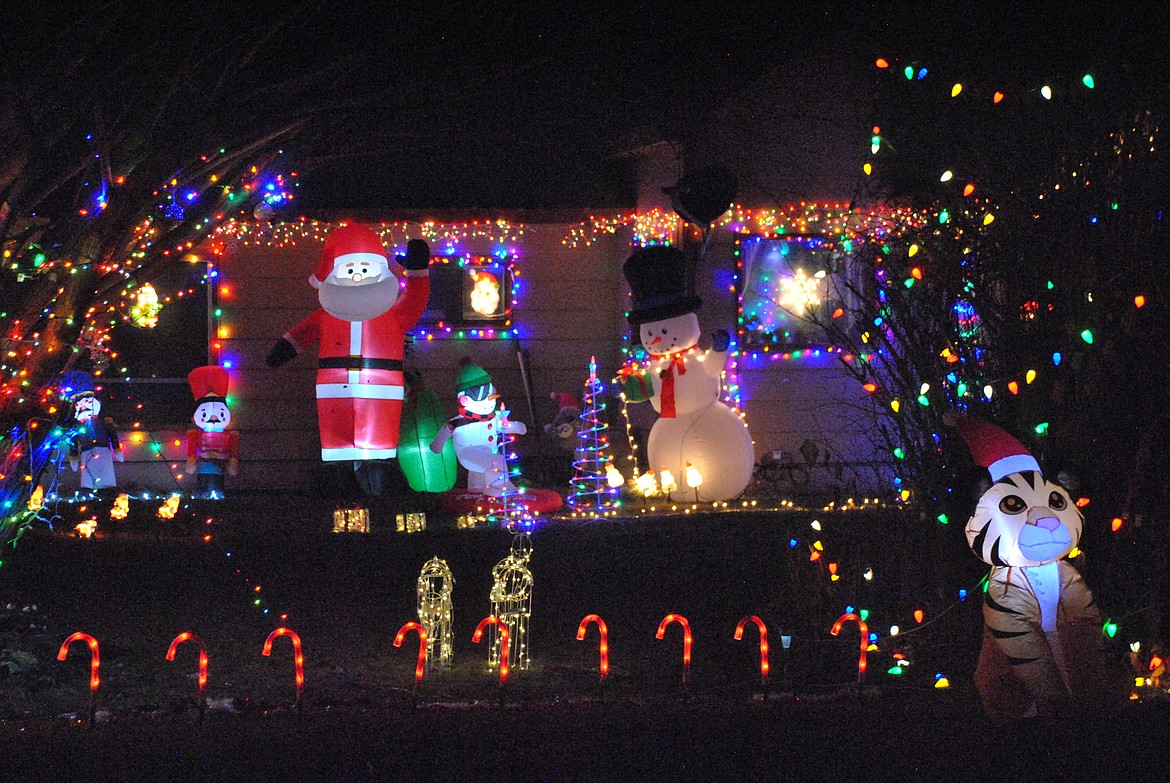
(479, 432)
(683, 382)
(94, 445)
(212, 451)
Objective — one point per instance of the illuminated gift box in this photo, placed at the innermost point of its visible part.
(351, 520)
(411, 523)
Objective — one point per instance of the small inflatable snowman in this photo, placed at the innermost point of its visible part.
(694, 428)
(479, 432)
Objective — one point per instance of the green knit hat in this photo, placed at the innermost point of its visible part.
(470, 376)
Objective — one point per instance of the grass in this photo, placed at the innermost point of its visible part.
(346, 596)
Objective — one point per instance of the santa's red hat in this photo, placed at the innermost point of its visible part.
(353, 242)
(993, 448)
(565, 400)
(209, 381)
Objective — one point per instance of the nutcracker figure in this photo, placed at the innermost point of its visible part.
(212, 451)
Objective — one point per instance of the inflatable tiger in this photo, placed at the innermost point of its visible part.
(1043, 649)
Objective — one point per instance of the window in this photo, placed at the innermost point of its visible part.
(470, 293)
(785, 285)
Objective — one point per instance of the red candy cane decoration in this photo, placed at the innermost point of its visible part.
(420, 667)
(603, 644)
(187, 636)
(763, 644)
(298, 657)
(95, 663)
(864, 640)
(505, 635)
(678, 618)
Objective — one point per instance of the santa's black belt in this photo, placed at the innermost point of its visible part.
(357, 363)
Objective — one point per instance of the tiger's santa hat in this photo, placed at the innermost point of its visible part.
(992, 447)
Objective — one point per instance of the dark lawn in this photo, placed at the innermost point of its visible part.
(347, 595)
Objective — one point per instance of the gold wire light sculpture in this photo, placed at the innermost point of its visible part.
(435, 610)
(511, 599)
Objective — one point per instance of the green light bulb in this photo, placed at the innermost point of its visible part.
(1087, 80)
(1087, 336)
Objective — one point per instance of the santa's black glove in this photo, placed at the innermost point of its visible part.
(418, 254)
(720, 340)
(282, 352)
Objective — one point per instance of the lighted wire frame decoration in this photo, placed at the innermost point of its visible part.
(511, 601)
(471, 297)
(593, 461)
(781, 283)
(436, 610)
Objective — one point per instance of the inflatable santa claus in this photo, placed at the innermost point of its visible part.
(360, 327)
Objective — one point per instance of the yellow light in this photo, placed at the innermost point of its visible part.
(121, 506)
(947, 176)
(958, 88)
(942, 682)
(868, 169)
(167, 510)
(913, 250)
(988, 219)
(692, 476)
(1030, 376)
(895, 405)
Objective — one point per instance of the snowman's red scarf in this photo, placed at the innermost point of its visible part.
(470, 416)
(674, 361)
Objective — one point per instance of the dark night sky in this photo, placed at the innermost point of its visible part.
(516, 105)
(513, 105)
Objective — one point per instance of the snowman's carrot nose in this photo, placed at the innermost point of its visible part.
(656, 340)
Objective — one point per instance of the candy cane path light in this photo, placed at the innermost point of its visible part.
(187, 636)
(298, 657)
(504, 642)
(864, 640)
(603, 643)
(678, 618)
(95, 662)
(95, 658)
(420, 667)
(763, 643)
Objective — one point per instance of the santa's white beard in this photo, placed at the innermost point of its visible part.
(358, 302)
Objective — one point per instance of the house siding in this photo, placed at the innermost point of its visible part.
(570, 307)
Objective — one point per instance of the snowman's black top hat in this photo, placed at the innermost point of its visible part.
(658, 281)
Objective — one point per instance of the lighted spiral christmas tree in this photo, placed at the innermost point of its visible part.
(596, 482)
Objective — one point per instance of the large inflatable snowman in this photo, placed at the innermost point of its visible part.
(694, 429)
